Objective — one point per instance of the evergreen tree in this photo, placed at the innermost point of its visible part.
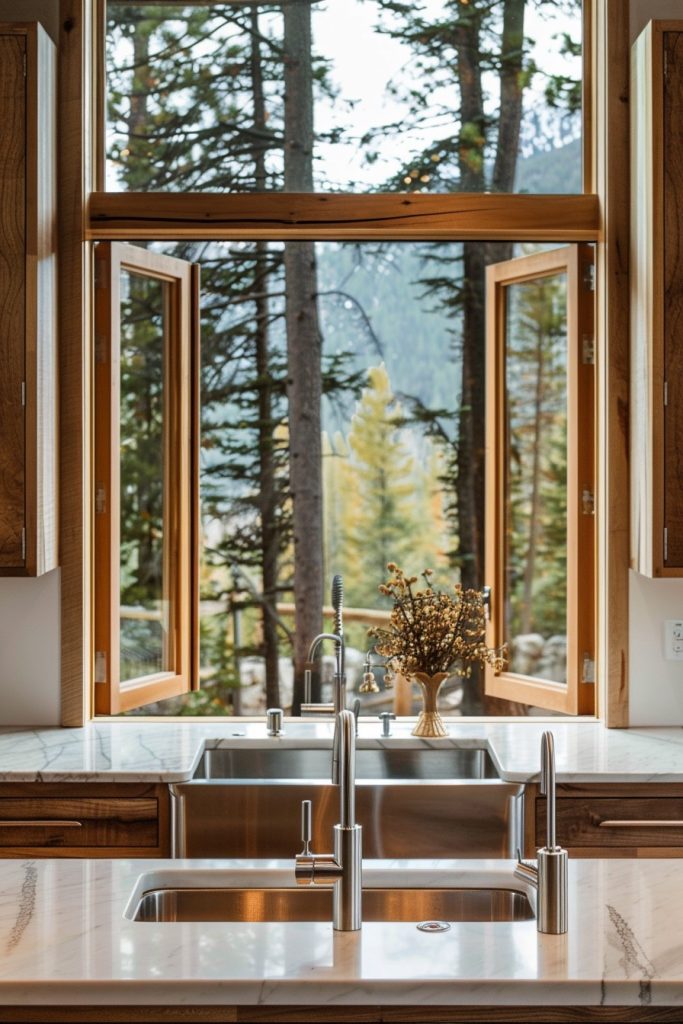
(385, 475)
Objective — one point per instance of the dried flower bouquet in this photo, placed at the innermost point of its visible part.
(431, 635)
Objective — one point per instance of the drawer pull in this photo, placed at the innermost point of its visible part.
(642, 824)
(40, 823)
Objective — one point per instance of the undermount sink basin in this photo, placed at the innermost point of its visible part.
(315, 904)
(374, 763)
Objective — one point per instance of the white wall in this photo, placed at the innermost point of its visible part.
(29, 609)
(29, 651)
(655, 685)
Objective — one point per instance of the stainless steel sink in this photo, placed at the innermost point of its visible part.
(371, 763)
(411, 802)
(312, 904)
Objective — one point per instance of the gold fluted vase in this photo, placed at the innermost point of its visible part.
(430, 724)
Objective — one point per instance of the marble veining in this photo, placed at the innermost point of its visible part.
(26, 906)
(161, 751)
(66, 938)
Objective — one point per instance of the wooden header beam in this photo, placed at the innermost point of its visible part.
(427, 217)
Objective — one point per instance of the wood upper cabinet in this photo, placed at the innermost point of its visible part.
(28, 273)
(657, 301)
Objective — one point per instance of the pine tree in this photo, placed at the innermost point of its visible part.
(385, 479)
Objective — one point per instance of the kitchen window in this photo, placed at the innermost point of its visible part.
(418, 212)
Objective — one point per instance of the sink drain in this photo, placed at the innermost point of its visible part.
(433, 926)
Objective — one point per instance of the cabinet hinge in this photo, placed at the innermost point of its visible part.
(589, 277)
(588, 671)
(666, 543)
(23, 543)
(100, 666)
(100, 499)
(666, 392)
(587, 502)
(23, 393)
(588, 350)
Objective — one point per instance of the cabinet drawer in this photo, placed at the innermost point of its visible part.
(79, 822)
(615, 822)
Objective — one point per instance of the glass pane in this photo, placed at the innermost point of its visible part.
(145, 584)
(536, 483)
(440, 96)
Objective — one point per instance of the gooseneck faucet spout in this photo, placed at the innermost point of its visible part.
(344, 867)
(339, 682)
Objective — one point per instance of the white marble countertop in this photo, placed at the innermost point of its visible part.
(65, 941)
(135, 750)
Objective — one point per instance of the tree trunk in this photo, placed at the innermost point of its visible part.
(303, 347)
(267, 483)
(471, 443)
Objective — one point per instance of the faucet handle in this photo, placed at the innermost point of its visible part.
(306, 827)
(386, 718)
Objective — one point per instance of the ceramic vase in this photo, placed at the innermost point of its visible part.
(430, 724)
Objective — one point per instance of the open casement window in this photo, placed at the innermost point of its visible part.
(540, 494)
(146, 358)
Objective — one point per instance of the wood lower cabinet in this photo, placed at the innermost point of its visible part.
(610, 821)
(91, 820)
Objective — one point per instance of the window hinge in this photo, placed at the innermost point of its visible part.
(100, 279)
(588, 350)
(23, 543)
(587, 502)
(100, 348)
(23, 393)
(588, 671)
(100, 499)
(666, 543)
(100, 666)
(666, 392)
(589, 277)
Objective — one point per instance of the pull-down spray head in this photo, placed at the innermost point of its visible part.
(338, 606)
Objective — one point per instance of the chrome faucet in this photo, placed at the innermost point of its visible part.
(344, 867)
(339, 681)
(550, 873)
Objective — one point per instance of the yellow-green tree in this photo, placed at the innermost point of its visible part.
(386, 523)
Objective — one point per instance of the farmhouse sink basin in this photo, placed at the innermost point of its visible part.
(373, 763)
(245, 802)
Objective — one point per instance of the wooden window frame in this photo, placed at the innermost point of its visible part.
(577, 695)
(113, 696)
(601, 217)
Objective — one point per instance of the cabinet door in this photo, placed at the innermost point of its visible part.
(28, 268)
(656, 301)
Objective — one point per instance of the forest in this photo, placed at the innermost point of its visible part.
(342, 384)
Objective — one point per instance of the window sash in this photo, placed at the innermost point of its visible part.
(111, 694)
(577, 695)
